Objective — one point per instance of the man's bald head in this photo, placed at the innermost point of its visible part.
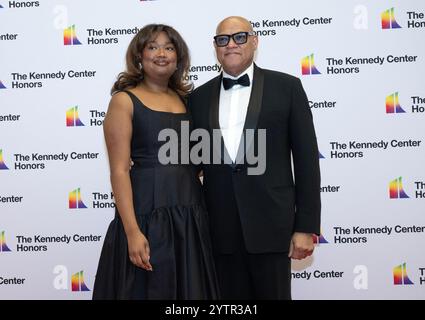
(241, 21)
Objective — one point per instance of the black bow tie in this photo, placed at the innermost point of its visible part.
(243, 81)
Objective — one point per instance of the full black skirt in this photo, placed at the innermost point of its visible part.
(171, 213)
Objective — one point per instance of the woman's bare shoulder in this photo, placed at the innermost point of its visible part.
(121, 101)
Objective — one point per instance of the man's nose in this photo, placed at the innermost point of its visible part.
(232, 43)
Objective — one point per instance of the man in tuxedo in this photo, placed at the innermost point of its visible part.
(258, 222)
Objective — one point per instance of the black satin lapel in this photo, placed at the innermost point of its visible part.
(219, 151)
(253, 113)
(215, 98)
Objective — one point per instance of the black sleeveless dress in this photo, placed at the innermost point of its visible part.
(171, 213)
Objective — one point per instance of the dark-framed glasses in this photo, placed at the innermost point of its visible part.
(222, 40)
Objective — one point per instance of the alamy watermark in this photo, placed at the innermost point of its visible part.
(195, 148)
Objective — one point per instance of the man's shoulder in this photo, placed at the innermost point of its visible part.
(205, 87)
(279, 75)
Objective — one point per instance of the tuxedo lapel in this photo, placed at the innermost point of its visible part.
(253, 112)
(214, 104)
(220, 154)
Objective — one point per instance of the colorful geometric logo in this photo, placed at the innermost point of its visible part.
(388, 20)
(75, 201)
(319, 239)
(70, 37)
(72, 118)
(393, 105)
(396, 189)
(2, 86)
(3, 245)
(77, 282)
(400, 275)
(307, 65)
(2, 164)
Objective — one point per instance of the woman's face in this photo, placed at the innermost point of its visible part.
(159, 57)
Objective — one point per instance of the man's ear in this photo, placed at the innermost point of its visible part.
(255, 41)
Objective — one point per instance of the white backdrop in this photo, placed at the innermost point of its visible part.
(370, 57)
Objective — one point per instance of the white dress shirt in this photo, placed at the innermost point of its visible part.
(232, 111)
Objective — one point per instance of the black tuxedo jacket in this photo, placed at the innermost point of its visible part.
(283, 200)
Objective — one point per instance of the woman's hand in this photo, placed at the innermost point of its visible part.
(139, 251)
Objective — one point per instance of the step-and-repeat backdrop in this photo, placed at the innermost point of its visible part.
(362, 66)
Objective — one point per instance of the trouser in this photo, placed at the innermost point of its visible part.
(248, 276)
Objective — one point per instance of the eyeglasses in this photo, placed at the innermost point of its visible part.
(222, 40)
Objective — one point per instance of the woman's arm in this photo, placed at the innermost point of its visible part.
(117, 129)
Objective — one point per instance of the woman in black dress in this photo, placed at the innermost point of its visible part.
(158, 245)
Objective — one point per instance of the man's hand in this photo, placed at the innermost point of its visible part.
(301, 246)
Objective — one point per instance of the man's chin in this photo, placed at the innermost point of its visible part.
(233, 69)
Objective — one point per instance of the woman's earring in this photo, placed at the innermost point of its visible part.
(141, 70)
